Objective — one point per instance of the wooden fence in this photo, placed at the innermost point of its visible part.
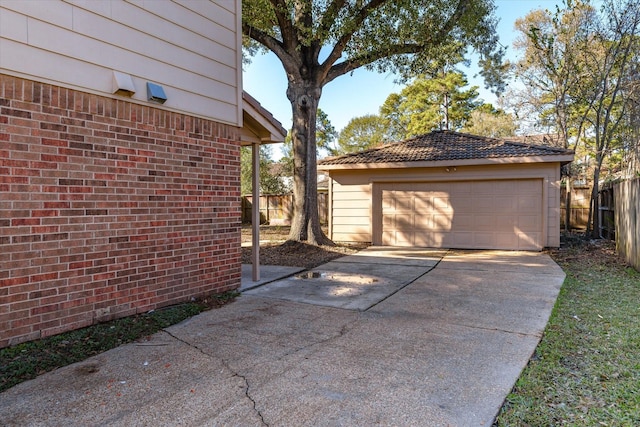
(580, 199)
(626, 199)
(606, 213)
(277, 209)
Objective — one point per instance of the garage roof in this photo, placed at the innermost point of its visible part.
(448, 147)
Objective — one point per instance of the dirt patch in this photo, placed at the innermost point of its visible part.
(576, 249)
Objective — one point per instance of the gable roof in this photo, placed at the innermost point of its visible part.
(259, 125)
(448, 147)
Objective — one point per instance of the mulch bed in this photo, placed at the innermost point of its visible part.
(298, 254)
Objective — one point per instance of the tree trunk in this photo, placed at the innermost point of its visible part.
(446, 111)
(305, 225)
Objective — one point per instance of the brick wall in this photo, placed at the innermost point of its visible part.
(109, 208)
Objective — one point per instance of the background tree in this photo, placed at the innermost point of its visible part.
(362, 133)
(430, 103)
(552, 72)
(486, 120)
(326, 134)
(400, 36)
(612, 52)
(577, 68)
(271, 176)
(551, 67)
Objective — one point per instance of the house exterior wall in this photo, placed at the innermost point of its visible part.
(112, 205)
(109, 208)
(352, 197)
(191, 48)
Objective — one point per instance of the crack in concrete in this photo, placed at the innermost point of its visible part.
(483, 328)
(246, 391)
(230, 369)
(343, 330)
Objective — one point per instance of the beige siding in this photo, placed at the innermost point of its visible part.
(351, 209)
(191, 48)
(352, 188)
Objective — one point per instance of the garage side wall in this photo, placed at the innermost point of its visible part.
(350, 210)
(353, 210)
(109, 208)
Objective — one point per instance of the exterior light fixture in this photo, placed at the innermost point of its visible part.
(122, 84)
(155, 93)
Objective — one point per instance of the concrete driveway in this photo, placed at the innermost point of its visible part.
(388, 337)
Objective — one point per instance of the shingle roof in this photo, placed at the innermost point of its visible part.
(445, 145)
(265, 113)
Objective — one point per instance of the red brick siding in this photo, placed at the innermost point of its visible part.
(109, 208)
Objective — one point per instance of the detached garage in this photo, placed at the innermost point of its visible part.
(450, 190)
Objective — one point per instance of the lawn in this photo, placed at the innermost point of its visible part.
(586, 370)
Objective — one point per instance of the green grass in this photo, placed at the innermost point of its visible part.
(28, 360)
(586, 370)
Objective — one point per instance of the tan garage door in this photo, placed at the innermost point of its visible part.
(468, 214)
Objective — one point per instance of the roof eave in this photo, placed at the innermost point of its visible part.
(561, 158)
(259, 125)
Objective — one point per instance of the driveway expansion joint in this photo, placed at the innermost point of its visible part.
(409, 282)
(234, 373)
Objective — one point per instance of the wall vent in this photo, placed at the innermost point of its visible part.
(155, 93)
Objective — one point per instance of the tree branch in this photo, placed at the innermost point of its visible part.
(287, 30)
(267, 41)
(369, 58)
(342, 42)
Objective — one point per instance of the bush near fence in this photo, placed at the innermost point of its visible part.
(277, 209)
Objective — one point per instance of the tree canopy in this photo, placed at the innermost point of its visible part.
(362, 133)
(486, 120)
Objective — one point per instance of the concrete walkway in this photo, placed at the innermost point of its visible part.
(440, 344)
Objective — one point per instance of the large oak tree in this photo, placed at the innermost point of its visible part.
(320, 40)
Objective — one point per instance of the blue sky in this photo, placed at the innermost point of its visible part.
(363, 91)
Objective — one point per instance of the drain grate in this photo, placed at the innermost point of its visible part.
(311, 275)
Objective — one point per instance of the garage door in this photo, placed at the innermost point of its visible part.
(497, 214)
